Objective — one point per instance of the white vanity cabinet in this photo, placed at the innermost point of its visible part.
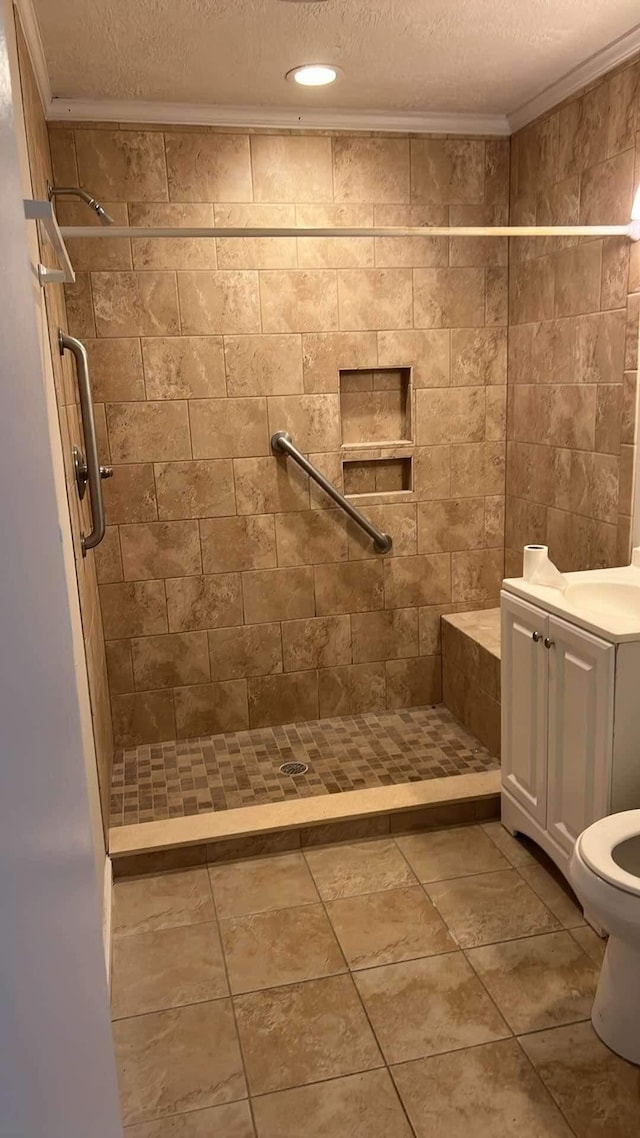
(570, 726)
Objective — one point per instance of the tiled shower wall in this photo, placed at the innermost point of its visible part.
(231, 595)
(573, 336)
(66, 397)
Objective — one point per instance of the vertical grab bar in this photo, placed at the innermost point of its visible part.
(90, 471)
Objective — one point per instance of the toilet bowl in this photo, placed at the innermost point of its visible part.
(605, 874)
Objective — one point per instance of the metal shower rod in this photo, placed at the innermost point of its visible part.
(631, 230)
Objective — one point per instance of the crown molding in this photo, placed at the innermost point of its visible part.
(31, 30)
(285, 118)
(595, 67)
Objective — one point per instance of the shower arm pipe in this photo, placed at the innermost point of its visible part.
(631, 230)
(282, 443)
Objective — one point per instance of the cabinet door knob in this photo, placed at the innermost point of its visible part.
(548, 643)
(536, 636)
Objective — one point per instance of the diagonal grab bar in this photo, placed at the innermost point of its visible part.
(282, 443)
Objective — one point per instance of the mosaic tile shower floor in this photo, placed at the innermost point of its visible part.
(221, 772)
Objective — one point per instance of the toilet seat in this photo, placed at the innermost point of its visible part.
(596, 844)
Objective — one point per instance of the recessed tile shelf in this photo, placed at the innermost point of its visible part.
(385, 475)
(375, 406)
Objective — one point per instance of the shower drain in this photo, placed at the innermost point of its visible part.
(294, 768)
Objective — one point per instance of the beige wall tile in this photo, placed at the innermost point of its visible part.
(108, 558)
(122, 165)
(432, 472)
(87, 254)
(476, 575)
(349, 587)
(427, 353)
(411, 252)
(531, 290)
(311, 537)
(160, 549)
(578, 272)
(413, 683)
(236, 653)
(496, 413)
(582, 137)
(195, 603)
(194, 489)
(446, 298)
(300, 301)
(130, 496)
(263, 365)
(371, 169)
(173, 252)
(600, 347)
(209, 709)
(378, 298)
(294, 168)
(231, 544)
(335, 252)
(167, 661)
(447, 170)
(414, 581)
(606, 191)
(115, 367)
(256, 252)
(497, 296)
(325, 353)
(214, 302)
(208, 167)
(384, 635)
(278, 594)
(623, 103)
(228, 428)
(455, 524)
(478, 356)
(343, 215)
(188, 367)
(397, 520)
(133, 608)
(119, 666)
(318, 642)
(291, 697)
(146, 717)
(450, 415)
(313, 421)
(135, 304)
(477, 468)
(596, 482)
(79, 307)
(269, 485)
(148, 432)
(63, 156)
(351, 690)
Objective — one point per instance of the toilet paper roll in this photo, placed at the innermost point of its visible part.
(540, 570)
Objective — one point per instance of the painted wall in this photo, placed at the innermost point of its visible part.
(57, 1071)
(573, 335)
(231, 595)
(70, 433)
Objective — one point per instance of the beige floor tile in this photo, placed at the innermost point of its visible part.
(361, 1106)
(451, 853)
(556, 895)
(593, 945)
(386, 927)
(481, 1092)
(539, 981)
(359, 867)
(283, 946)
(144, 904)
(489, 907)
(260, 884)
(230, 1121)
(516, 850)
(304, 1033)
(165, 969)
(422, 1007)
(598, 1092)
(179, 1060)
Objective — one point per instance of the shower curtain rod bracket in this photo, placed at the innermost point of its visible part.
(42, 213)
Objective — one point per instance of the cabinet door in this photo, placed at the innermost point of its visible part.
(524, 705)
(581, 681)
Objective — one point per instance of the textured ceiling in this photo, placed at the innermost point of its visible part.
(397, 55)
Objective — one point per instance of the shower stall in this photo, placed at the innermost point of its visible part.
(298, 348)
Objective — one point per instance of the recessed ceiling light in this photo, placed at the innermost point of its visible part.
(313, 74)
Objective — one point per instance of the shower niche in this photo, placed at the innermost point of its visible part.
(376, 415)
